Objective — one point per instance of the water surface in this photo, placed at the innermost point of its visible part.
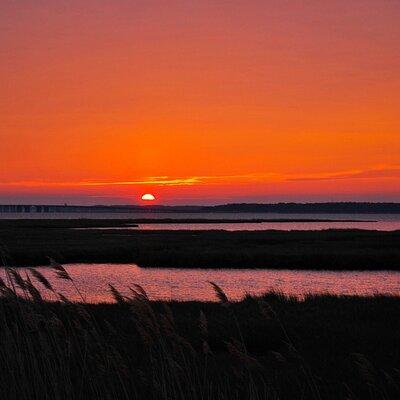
(262, 226)
(192, 284)
(383, 222)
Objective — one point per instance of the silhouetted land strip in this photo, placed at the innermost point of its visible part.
(310, 208)
(284, 208)
(325, 347)
(236, 221)
(132, 222)
(135, 222)
(31, 242)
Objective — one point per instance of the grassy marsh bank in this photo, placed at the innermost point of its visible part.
(270, 347)
(31, 242)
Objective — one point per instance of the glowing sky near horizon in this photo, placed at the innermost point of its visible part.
(199, 101)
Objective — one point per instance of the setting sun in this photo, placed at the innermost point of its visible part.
(148, 197)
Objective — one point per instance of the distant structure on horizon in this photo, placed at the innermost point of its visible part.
(281, 208)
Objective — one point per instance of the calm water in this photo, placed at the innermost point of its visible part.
(284, 226)
(384, 222)
(212, 215)
(192, 284)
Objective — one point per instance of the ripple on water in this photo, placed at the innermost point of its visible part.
(192, 284)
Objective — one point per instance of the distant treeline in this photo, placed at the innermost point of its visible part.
(323, 208)
(283, 208)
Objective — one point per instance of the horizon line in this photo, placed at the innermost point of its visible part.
(199, 205)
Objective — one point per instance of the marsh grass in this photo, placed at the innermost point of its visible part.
(259, 348)
(30, 242)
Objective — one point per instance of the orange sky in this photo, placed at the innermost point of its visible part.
(199, 101)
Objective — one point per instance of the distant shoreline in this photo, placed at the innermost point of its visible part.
(130, 222)
(236, 221)
(276, 208)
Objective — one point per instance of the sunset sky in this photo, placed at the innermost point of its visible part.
(198, 101)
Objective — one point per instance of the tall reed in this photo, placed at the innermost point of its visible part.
(139, 349)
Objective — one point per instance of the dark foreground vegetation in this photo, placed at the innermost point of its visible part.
(31, 242)
(271, 347)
